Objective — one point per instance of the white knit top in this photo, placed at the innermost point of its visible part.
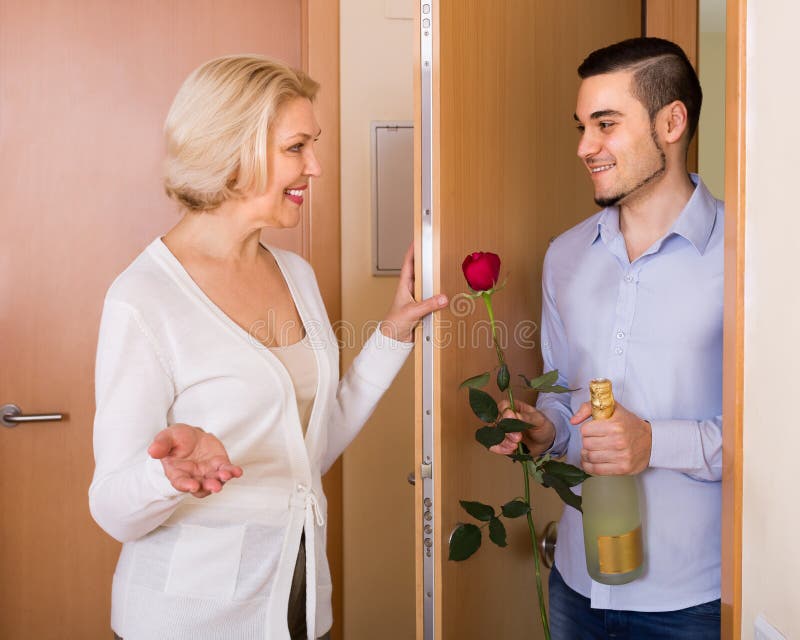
(221, 566)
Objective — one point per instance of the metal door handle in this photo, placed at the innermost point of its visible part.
(547, 544)
(11, 416)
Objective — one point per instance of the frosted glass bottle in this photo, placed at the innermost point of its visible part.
(612, 523)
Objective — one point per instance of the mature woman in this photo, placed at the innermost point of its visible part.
(219, 405)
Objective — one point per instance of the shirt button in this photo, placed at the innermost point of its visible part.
(620, 335)
(618, 351)
(629, 278)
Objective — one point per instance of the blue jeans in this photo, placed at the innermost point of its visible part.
(571, 618)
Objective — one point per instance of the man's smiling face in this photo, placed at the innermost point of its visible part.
(618, 142)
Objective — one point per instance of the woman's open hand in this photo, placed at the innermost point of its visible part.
(405, 312)
(194, 460)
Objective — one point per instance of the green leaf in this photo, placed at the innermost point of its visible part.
(563, 490)
(515, 509)
(521, 457)
(475, 381)
(544, 380)
(555, 389)
(534, 471)
(465, 541)
(478, 510)
(490, 436)
(503, 378)
(483, 405)
(567, 473)
(497, 532)
(510, 425)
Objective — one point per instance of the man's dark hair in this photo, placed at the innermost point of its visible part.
(661, 74)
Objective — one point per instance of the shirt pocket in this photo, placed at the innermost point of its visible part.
(205, 561)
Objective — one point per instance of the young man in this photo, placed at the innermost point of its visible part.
(634, 294)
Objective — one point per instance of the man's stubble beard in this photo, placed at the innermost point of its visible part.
(620, 198)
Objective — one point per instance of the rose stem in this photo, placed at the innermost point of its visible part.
(487, 299)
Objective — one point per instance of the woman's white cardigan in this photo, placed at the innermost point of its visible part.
(218, 567)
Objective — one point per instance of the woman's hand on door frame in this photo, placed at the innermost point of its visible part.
(405, 312)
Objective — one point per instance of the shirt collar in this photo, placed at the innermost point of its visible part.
(695, 223)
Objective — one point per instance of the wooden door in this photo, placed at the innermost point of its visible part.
(84, 90)
(676, 20)
(504, 178)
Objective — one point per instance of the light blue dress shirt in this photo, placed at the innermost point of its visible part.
(654, 328)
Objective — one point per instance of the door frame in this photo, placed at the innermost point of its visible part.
(733, 331)
(427, 596)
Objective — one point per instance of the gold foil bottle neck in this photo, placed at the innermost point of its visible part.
(602, 398)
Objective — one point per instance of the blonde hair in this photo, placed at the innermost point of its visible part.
(216, 129)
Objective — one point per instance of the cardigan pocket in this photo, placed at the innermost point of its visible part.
(324, 610)
(205, 561)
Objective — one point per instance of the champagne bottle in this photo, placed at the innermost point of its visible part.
(612, 524)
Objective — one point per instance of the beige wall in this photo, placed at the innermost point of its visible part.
(711, 62)
(376, 84)
(771, 516)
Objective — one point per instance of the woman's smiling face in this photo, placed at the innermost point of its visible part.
(291, 163)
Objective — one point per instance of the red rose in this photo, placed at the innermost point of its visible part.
(481, 270)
